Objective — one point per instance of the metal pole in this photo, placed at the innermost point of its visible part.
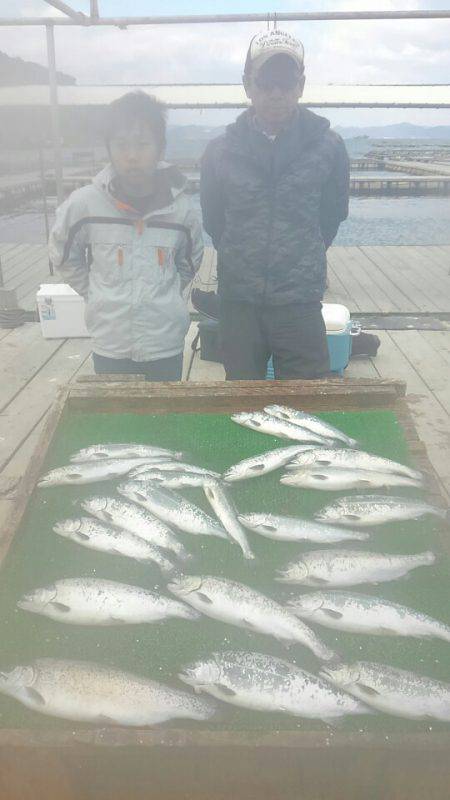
(78, 16)
(56, 129)
(176, 19)
(94, 9)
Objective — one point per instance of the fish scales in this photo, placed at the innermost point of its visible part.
(135, 520)
(393, 691)
(264, 463)
(86, 692)
(310, 422)
(357, 459)
(292, 529)
(92, 601)
(375, 509)
(351, 567)
(265, 683)
(360, 613)
(172, 508)
(237, 604)
(95, 535)
(96, 452)
(223, 506)
(341, 478)
(265, 423)
(77, 474)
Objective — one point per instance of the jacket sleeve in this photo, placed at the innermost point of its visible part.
(211, 196)
(187, 258)
(335, 195)
(67, 250)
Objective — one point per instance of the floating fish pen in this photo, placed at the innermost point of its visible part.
(244, 753)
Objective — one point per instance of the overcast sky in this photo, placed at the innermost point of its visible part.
(408, 51)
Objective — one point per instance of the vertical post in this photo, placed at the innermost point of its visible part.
(54, 108)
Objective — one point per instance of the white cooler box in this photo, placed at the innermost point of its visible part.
(61, 311)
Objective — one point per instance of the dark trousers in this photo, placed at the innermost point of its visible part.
(294, 335)
(165, 369)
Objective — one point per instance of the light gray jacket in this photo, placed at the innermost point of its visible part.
(131, 271)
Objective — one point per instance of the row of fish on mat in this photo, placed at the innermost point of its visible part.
(139, 524)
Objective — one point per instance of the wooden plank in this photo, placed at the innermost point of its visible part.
(362, 269)
(223, 397)
(426, 266)
(384, 268)
(34, 400)
(431, 420)
(419, 276)
(401, 275)
(336, 292)
(22, 355)
(353, 288)
(431, 365)
(362, 368)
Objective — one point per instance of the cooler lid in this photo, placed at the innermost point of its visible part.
(336, 316)
(60, 290)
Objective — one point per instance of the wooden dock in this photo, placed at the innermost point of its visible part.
(397, 281)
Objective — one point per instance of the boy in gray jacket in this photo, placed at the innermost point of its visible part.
(130, 242)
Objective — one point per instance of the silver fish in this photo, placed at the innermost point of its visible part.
(221, 502)
(170, 466)
(85, 692)
(266, 462)
(336, 479)
(311, 422)
(360, 613)
(350, 567)
(135, 520)
(265, 423)
(375, 509)
(91, 601)
(97, 452)
(172, 508)
(237, 604)
(393, 691)
(291, 529)
(265, 683)
(95, 535)
(172, 480)
(352, 459)
(89, 472)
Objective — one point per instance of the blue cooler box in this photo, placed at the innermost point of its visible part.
(339, 337)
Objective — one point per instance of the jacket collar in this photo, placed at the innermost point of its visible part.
(170, 184)
(243, 137)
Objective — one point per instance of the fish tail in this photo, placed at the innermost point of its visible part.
(428, 557)
(444, 633)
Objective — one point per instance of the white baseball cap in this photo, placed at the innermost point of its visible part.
(271, 43)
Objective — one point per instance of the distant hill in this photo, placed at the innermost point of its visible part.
(403, 130)
(17, 72)
(189, 141)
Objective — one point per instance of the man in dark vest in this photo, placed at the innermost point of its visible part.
(274, 190)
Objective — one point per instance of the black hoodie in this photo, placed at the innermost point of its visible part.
(272, 208)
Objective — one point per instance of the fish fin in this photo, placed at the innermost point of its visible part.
(351, 516)
(257, 467)
(248, 623)
(204, 598)
(60, 606)
(36, 696)
(319, 477)
(115, 551)
(323, 462)
(108, 515)
(317, 581)
(386, 631)
(331, 613)
(118, 620)
(367, 690)
(83, 537)
(225, 689)
(105, 719)
(269, 528)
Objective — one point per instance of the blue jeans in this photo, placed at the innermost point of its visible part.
(165, 369)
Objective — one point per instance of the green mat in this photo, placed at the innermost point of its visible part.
(39, 557)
